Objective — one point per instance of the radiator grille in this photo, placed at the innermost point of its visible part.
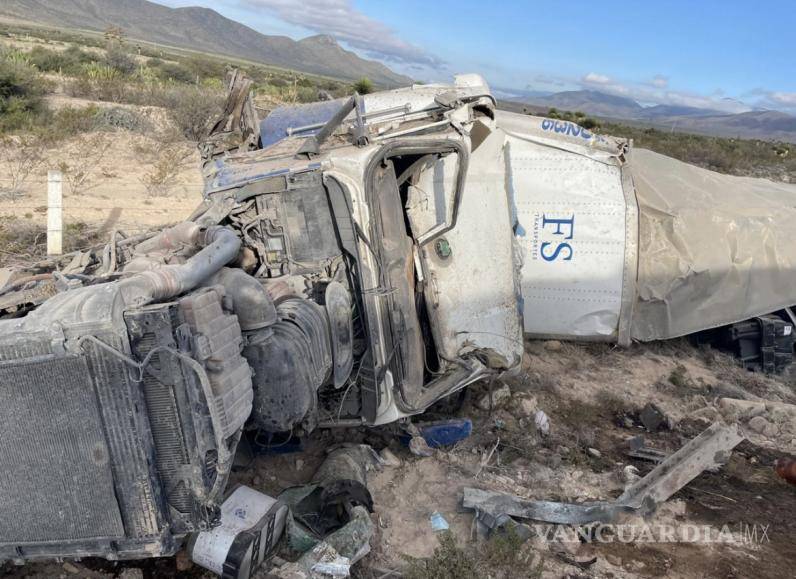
(55, 470)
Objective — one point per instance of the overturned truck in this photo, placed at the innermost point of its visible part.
(352, 263)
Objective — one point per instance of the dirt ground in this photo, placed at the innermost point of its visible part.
(110, 176)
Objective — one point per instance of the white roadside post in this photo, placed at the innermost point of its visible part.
(54, 213)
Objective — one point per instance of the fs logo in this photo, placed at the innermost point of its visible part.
(558, 249)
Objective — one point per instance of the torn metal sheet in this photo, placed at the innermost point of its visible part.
(713, 249)
(708, 450)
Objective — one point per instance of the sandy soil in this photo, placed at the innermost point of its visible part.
(113, 166)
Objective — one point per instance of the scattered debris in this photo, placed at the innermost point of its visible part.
(542, 422)
(420, 447)
(709, 449)
(594, 452)
(637, 449)
(334, 555)
(251, 525)
(438, 522)
(441, 432)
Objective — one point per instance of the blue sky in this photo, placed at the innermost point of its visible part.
(707, 53)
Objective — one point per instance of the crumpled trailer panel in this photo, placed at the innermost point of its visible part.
(713, 249)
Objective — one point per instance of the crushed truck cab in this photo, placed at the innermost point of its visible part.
(352, 262)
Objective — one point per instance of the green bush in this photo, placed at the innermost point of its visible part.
(364, 85)
(175, 72)
(69, 61)
(120, 60)
(21, 91)
(205, 67)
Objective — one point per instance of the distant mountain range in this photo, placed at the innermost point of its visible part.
(750, 124)
(205, 30)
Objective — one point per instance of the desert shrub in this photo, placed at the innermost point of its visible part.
(69, 61)
(99, 82)
(21, 91)
(120, 60)
(71, 121)
(192, 109)
(21, 158)
(205, 67)
(364, 85)
(122, 118)
(175, 72)
(84, 157)
(166, 162)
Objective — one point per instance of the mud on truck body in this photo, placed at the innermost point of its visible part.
(352, 263)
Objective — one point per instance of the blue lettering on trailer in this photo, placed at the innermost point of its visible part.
(565, 127)
(552, 251)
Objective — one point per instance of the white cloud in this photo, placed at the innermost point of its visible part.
(659, 81)
(340, 19)
(594, 78)
(787, 99)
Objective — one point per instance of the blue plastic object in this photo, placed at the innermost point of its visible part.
(438, 522)
(443, 432)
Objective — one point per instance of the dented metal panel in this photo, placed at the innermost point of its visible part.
(471, 269)
(575, 230)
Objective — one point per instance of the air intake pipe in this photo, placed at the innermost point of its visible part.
(220, 246)
(250, 300)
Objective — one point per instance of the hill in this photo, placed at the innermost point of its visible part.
(205, 30)
(751, 124)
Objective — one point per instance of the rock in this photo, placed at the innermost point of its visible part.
(552, 346)
(499, 395)
(504, 420)
(613, 560)
(535, 347)
(628, 422)
(299, 464)
(419, 447)
(652, 417)
(629, 475)
(527, 406)
(762, 426)
(131, 573)
(257, 480)
(594, 452)
(526, 362)
(388, 457)
(542, 422)
(70, 568)
(554, 461)
(742, 408)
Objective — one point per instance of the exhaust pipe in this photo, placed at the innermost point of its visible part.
(220, 246)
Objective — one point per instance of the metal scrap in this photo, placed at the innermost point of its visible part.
(708, 450)
(637, 449)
